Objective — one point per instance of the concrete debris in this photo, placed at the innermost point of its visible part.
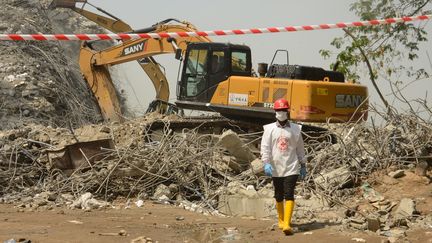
(75, 222)
(394, 233)
(383, 207)
(161, 191)
(139, 203)
(397, 174)
(338, 177)
(21, 240)
(370, 194)
(40, 82)
(358, 239)
(163, 199)
(356, 224)
(189, 206)
(373, 223)
(357, 220)
(257, 167)
(247, 205)
(237, 148)
(87, 202)
(180, 218)
(406, 209)
(47, 106)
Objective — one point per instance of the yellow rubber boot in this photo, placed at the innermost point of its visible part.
(280, 211)
(289, 207)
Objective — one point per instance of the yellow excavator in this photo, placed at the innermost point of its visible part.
(219, 77)
(109, 107)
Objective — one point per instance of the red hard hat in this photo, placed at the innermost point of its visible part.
(281, 104)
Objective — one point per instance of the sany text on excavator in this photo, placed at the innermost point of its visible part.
(218, 77)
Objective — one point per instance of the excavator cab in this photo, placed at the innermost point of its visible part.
(205, 65)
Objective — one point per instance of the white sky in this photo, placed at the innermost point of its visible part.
(303, 47)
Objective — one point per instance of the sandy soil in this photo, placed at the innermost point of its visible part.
(166, 223)
(162, 223)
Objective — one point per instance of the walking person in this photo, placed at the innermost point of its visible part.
(283, 153)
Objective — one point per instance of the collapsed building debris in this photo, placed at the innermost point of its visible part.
(40, 82)
(44, 103)
(192, 170)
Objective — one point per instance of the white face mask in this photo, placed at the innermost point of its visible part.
(281, 115)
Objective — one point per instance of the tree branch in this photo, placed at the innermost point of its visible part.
(371, 74)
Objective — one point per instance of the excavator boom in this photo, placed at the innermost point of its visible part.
(109, 106)
(94, 65)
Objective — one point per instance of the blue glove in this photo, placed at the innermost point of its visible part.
(268, 169)
(303, 172)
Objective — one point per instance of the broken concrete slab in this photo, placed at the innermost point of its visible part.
(257, 167)
(336, 178)
(162, 190)
(235, 146)
(394, 233)
(240, 205)
(373, 223)
(405, 209)
(358, 226)
(232, 163)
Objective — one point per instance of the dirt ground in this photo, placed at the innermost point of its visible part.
(162, 223)
(411, 185)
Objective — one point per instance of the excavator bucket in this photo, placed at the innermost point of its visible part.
(65, 3)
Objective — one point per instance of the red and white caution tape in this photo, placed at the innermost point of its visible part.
(70, 37)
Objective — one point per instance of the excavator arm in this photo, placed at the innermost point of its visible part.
(94, 65)
(99, 79)
(111, 23)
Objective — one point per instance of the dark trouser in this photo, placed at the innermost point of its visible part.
(284, 187)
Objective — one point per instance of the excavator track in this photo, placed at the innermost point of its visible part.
(312, 135)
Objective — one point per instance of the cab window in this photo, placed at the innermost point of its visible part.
(239, 61)
(196, 70)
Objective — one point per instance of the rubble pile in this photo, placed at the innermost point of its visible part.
(344, 175)
(404, 141)
(46, 108)
(196, 166)
(40, 81)
(199, 172)
(189, 163)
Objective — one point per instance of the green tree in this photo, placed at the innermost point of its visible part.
(385, 49)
